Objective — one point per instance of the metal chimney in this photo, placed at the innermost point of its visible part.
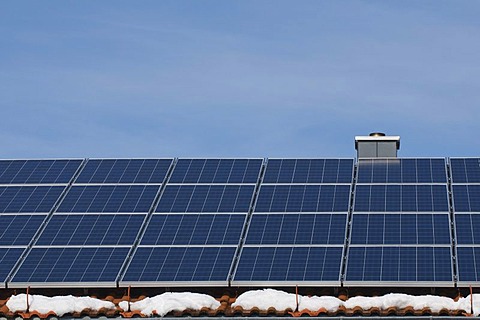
(377, 145)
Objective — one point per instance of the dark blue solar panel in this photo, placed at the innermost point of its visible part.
(37, 171)
(194, 229)
(65, 265)
(17, 230)
(216, 171)
(400, 229)
(467, 228)
(404, 264)
(120, 198)
(8, 258)
(465, 170)
(303, 198)
(91, 229)
(289, 264)
(396, 198)
(124, 171)
(466, 198)
(468, 264)
(297, 229)
(180, 264)
(402, 171)
(206, 198)
(309, 171)
(28, 199)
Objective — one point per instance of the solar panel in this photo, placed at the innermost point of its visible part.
(303, 198)
(71, 266)
(468, 262)
(283, 265)
(216, 171)
(401, 198)
(31, 199)
(465, 170)
(206, 198)
(194, 229)
(91, 229)
(183, 266)
(297, 229)
(400, 229)
(402, 171)
(37, 171)
(8, 258)
(109, 198)
(388, 265)
(467, 227)
(17, 230)
(466, 198)
(309, 171)
(124, 171)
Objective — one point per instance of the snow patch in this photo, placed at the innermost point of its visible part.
(401, 301)
(60, 305)
(331, 304)
(171, 301)
(266, 298)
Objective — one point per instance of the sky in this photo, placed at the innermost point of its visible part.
(249, 78)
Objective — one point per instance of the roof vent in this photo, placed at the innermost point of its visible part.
(377, 145)
(377, 134)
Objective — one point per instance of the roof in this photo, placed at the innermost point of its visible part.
(227, 308)
(225, 226)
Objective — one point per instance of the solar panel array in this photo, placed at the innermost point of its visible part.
(465, 174)
(239, 222)
(29, 191)
(297, 231)
(400, 231)
(196, 227)
(87, 238)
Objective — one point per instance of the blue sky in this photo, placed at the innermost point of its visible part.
(237, 78)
